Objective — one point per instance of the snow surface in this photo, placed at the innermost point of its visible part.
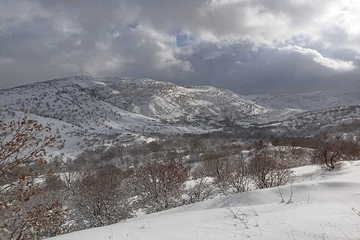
(307, 101)
(324, 206)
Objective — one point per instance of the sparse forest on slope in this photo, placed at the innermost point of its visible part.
(86, 101)
(90, 112)
(112, 110)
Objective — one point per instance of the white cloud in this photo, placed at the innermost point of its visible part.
(334, 64)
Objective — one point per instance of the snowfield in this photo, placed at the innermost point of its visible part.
(323, 206)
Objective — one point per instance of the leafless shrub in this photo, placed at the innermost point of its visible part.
(267, 171)
(231, 173)
(100, 198)
(239, 178)
(330, 150)
(159, 186)
(202, 188)
(216, 165)
(201, 191)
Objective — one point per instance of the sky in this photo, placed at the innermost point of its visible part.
(248, 46)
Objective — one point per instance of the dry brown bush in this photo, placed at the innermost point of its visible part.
(23, 150)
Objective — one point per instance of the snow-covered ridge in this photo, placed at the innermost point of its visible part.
(309, 111)
(161, 100)
(168, 101)
(308, 101)
(142, 106)
(312, 121)
(100, 111)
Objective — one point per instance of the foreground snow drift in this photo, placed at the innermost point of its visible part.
(323, 206)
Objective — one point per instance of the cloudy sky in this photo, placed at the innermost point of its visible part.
(248, 46)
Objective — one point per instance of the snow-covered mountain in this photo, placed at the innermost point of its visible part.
(89, 111)
(308, 112)
(167, 101)
(113, 109)
(75, 99)
(313, 121)
(308, 101)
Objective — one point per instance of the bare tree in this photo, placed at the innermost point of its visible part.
(239, 178)
(201, 189)
(267, 171)
(100, 197)
(217, 165)
(351, 150)
(159, 185)
(330, 150)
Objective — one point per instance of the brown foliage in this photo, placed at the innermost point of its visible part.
(22, 152)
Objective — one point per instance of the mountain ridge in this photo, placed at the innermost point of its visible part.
(110, 110)
(308, 101)
(100, 111)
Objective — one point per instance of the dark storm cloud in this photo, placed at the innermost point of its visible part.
(250, 46)
(289, 69)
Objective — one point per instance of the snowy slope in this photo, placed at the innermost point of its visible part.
(307, 101)
(93, 112)
(312, 121)
(103, 103)
(168, 101)
(70, 134)
(291, 106)
(324, 206)
(78, 110)
(308, 112)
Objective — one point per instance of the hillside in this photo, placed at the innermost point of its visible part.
(75, 99)
(90, 112)
(99, 111)
(338, 119)
(324, 206)
(307, 101)
(167, 101)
